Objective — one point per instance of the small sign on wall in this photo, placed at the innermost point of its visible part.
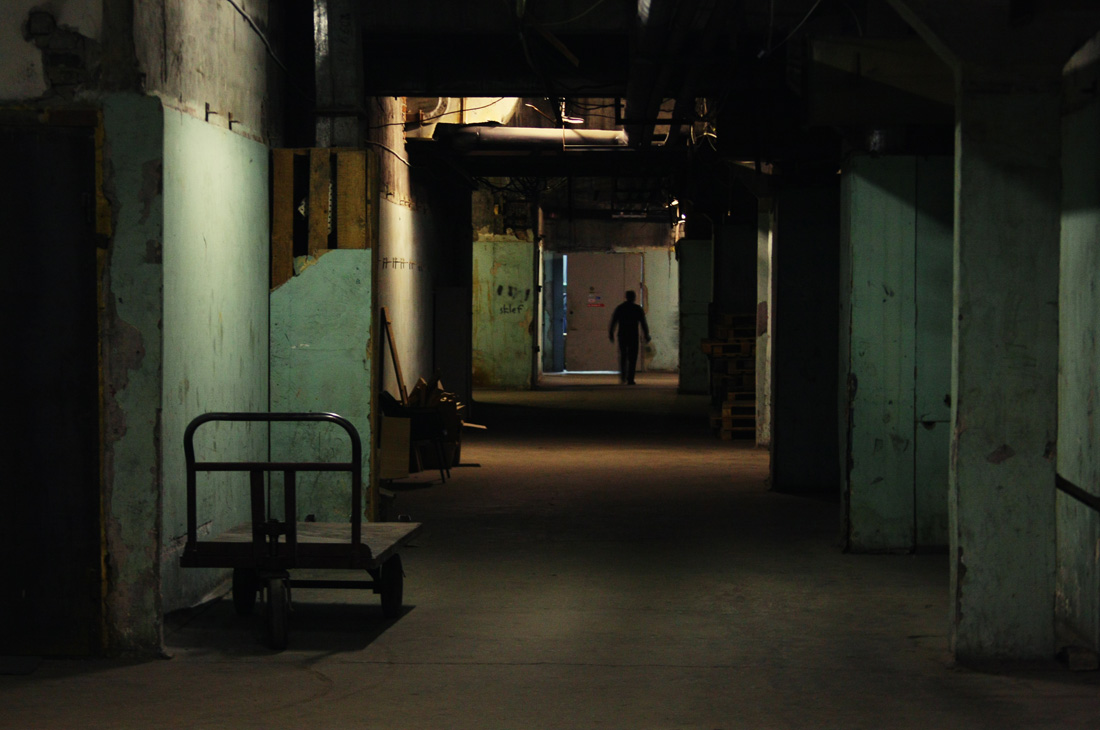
(594, 299)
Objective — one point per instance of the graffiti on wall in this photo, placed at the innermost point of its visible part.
(400, 263)
(514, 299)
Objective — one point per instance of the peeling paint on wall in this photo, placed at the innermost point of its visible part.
(48, 47)
(131, 372)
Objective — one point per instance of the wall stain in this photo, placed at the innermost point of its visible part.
(154, 252)
(960, 576)
(1000, 455)
(123, 351)
(152, 185)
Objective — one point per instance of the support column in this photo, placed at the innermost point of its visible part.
(1008, 59)
(696, 262)
(1005, 359)
(804, 342)
(338, 61)
(765, 284)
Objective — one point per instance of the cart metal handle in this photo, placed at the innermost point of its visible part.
(256, 468)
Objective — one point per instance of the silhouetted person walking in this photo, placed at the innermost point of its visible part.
(628, 316)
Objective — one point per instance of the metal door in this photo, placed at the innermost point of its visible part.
(597, 284)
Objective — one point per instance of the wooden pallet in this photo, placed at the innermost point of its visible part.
(322, 199)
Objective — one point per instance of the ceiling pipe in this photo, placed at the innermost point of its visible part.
(471, 137)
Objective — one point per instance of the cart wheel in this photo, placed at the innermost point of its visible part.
(392, 580)
(277, 610)
(245, 585)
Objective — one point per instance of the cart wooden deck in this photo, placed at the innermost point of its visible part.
(320, 545)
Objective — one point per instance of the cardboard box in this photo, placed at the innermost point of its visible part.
(393, 453)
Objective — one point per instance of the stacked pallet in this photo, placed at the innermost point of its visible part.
(732, 354)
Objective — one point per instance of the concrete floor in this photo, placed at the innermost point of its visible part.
(607, 564)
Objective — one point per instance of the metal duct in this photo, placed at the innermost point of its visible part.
(471, 137)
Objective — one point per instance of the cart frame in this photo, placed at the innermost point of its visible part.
(263, 552)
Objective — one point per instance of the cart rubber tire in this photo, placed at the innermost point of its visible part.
(245, 586)
(392, 580)
(277, 613)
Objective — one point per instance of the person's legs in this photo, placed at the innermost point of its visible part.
(631, 361)
(624, 359)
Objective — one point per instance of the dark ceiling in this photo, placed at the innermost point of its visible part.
(711, 93)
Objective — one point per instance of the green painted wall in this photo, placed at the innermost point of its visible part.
(696, 284)
(215, 253)
(895, 335)
(1077, 600)
(504, 303)
(132, 370)
(320, 335)
(932, 361)
(878, 197)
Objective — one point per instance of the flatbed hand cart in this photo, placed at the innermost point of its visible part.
(263, 552)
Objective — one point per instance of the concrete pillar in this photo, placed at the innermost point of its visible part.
(878, 309)
(804, 342)
(895, 334)
(1077, 603)
(765, 282)
(338, 64)
(696, 261)
(1008, 59)
(1005, 359)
